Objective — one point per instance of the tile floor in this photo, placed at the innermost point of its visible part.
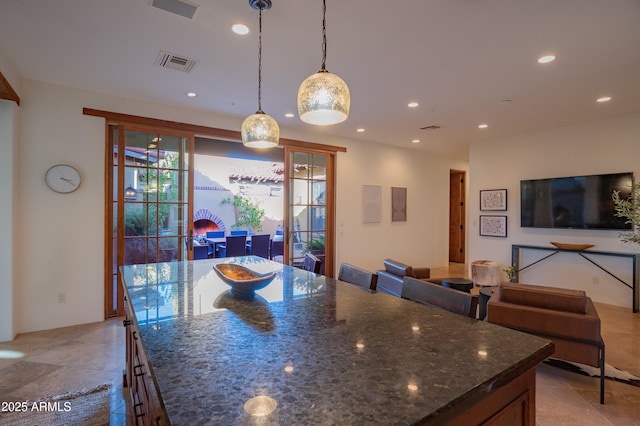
(68, 359)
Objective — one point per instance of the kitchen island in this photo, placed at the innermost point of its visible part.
(313, 350)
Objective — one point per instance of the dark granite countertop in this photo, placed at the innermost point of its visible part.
(327, 352)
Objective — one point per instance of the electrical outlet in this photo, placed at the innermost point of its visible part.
(62, 297)
(595, 280)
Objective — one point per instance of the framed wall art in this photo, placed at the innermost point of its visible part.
(371, 203)
(493, 226)
(398, 204)
(493, 200)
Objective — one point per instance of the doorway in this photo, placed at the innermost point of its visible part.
(149, 201)
(309, 220)
(457, 216)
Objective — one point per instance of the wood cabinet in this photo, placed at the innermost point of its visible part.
(511, 404)
(145, 403)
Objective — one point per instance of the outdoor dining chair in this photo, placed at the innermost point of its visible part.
(235, 245)
(311, 263)
(213, 248)
(259, 245)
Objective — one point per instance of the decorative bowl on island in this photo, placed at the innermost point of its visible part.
(243, 281)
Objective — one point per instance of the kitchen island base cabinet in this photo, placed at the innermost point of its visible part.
(145, 403)
(513, 404)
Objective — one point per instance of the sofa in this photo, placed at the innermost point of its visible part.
(390, 279)
(566, 317)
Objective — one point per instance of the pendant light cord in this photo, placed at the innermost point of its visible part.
(324, 35)
(260, 65)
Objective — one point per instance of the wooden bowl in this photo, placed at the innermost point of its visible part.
(243, 281)
(575, 247)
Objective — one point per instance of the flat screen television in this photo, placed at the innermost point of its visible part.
(575, 202)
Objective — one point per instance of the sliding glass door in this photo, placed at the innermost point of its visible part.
(310, 207)
(150, 201)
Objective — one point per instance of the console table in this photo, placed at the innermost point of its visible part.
(515, 261)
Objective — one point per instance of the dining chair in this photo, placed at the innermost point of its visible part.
(213, 248)
(239, 232)
(200, 252)
(277, 250)
(260, 245)
(235, 245)
(311, 263)
(360, 277)
(451, 300)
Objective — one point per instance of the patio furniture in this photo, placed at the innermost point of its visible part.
(213, 248)
(259, 245)
(566, 317)
(277, 249)
(446, 298)
(235, 245)
(311, 263)
(239, 232)
(360, 277)
(200, 252)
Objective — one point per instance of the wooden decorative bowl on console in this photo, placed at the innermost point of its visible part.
(576, 247)
(243, 281)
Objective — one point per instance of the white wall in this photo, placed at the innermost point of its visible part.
(420, 241)
(606, 146)
(60, 247)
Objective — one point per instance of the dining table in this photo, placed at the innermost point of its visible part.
(214, 242)
(308, 349)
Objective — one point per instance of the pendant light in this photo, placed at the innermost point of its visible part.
(323, 98)
(260, 130)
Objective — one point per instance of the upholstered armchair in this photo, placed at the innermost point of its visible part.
(566, 317)
(390, 279)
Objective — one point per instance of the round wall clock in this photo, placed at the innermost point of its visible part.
(62, 178)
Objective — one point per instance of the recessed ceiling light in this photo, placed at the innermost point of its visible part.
(415, 141)
(412, 104)
(546, 59)
(360, 130)
(604, 99)
(192, 94)
(240, 29)
(482, 126)
(289, 115)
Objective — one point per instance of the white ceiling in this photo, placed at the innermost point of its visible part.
(460, 59)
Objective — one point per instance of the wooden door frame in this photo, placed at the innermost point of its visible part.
(458, 206)
(122, 128)
(330, 204)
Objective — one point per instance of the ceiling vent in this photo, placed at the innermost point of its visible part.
(178, 7)
(432, 127)
(175, 62)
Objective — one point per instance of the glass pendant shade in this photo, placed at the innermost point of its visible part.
(260, 131)
(323, 99)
